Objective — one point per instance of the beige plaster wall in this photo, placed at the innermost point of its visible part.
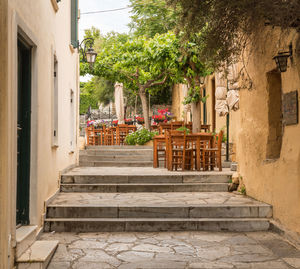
(272, 181)
(48, 32)
(5, 154)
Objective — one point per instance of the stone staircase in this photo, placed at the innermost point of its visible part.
(32, 253)
(121, 156)
(107, 199)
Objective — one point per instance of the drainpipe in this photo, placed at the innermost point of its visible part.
(227, 132)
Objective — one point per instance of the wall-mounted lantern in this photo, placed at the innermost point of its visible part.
(281, 59)
(88, 54)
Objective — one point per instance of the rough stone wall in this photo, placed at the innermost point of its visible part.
(272, 181)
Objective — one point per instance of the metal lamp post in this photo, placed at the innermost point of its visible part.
(88, 53)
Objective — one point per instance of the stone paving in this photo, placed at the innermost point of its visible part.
(256, 250)
(159, 199)
(139, 171)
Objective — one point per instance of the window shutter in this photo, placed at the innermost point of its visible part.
(74, 23)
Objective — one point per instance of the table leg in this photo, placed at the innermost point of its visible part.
(198, 154)
(211, 161)
(155, 159)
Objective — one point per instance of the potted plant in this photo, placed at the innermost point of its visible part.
(159, 118)
(115, 123)
(140, 137)
(129, 121)
(140, 120)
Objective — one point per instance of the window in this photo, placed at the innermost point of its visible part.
(274, 115)
(74, 23)
(55, 105)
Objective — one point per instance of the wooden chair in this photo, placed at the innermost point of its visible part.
(176, 124)
(205, 127)
(161, 153)
(164, 127)
(121, 133)
(108, 136)
(189, 126)
(213, 156)
(90, 136)
(180, 151)
(131, 129)
(98, 133)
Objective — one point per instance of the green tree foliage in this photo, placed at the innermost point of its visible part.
(226, 26)
(151, 17)
(141, 64)
(86, 98)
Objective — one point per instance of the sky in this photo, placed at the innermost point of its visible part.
(111, 21)
(108, 21)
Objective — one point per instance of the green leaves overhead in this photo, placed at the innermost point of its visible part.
(137, 60)
(151, 17)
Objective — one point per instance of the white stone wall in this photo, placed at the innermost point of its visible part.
(47, 30)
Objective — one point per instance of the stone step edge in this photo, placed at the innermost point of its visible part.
(40, 252)
(25, 237)
(146, 184)
(121, 162)
(156, 225)
(166, 206)
(154, 219)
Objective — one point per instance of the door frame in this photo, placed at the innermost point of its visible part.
(24, 138)
(19, 29)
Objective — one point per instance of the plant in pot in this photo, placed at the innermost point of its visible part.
(114, 123)
(140, 120)
(140, 137)
(129, 121)
(159, 118)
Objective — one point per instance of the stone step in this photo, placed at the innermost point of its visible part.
(155, 225)
(160, 211)
(116, 163)
(119, 152)
(115, 158)
(149, 179)
(25, 237)
(146, 187)
(38, 255)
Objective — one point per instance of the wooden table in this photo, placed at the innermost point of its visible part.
(195, 137)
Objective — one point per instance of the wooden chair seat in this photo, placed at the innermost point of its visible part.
(213, 156)
(180, 151)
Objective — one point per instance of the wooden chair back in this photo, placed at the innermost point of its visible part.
(176, 124)
(189, 126)
(163, 127)
(205, 127)
(219, 140)
(90, 136)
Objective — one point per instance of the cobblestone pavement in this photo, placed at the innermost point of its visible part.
(257, 250)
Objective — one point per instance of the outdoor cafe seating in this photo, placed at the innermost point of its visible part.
(175, 145)
(180, 150)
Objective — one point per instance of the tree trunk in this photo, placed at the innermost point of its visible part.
(196, 114)
(144, 100)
